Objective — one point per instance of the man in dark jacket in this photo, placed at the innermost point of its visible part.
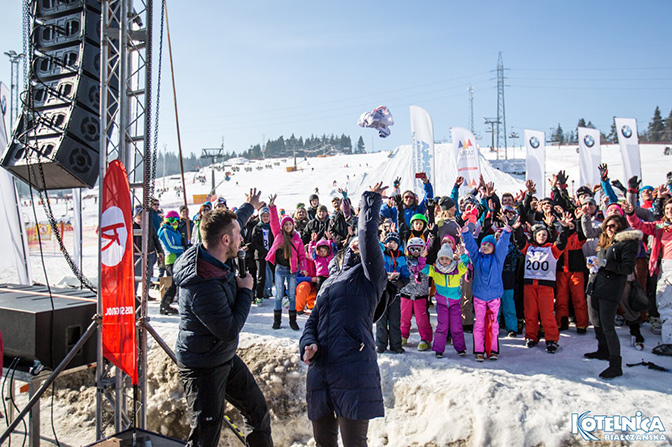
(343, 382)
(319, 225)
(214, 305)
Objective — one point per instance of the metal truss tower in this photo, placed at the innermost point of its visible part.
(125, 109)
(501, 108)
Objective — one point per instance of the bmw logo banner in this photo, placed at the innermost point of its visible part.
(589, 156)
(535, 148)
(629, 144)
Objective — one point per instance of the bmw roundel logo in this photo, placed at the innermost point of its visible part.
(3, 105)
(534, 142)
(626, 131)
(590, 141)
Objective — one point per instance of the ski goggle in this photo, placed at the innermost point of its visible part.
(415, 249)
(173, 220)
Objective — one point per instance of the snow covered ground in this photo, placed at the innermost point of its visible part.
(525, 398)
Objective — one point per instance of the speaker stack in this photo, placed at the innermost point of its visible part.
(59, 127)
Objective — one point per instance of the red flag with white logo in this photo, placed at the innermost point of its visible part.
(117, 274)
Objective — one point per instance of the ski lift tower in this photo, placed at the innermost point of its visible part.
(213, 154)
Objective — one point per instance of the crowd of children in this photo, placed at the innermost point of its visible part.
(477, 259)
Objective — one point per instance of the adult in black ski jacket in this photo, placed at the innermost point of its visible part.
(343, 383)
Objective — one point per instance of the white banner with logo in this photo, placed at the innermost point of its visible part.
(589, 156)
(466, 155)
(422, 143)
(535, 150)
(629, 143)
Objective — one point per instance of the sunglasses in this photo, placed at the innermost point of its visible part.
(173, 219)
(612, 226)
(408, 197)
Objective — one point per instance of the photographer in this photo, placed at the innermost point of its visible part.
(214, 305)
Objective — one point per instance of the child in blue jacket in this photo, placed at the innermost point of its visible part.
(388, 328)
(487, 287)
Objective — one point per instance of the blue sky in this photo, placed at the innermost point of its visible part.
(249, 70)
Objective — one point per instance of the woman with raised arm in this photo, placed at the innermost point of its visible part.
(343, 387)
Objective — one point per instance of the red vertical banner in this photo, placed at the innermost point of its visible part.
(117, 274)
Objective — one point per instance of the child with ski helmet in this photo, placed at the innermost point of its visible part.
(388, 327)
(450, 267)
(171, 239)
(487, 288)
(414, 295)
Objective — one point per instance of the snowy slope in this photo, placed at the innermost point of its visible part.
(525, 398)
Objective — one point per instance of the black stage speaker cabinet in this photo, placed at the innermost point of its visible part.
(59, 127)
(26, 319)
(143, 438)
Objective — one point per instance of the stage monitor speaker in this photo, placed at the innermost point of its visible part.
(32, 331)
(56, 142)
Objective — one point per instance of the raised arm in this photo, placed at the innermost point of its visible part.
(369, 220)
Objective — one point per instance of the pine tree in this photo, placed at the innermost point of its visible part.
(667, 135)
(559, 135)
(656, 126)
(361, 149)
(613, 133)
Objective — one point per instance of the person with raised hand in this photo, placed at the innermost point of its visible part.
(289, 257)
(343, 387)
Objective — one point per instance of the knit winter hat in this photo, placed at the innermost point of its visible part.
(286, 219)
(447, 238)
(445, 252)
(171, 214)
(586, 200)
(489, 239)
(322, 208)
(585, 190)
(446, 203)
(392, 236)
(617, 207)
(647, 187)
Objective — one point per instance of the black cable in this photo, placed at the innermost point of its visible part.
(11, 383)
(4, 405)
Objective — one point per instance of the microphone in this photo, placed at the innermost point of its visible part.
(242, 273)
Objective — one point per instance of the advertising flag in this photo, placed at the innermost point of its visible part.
(629, 143)
(422, 143)
(466, 155)
(589, 156)
(117, 276)
(535, 150)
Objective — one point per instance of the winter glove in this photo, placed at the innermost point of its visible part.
(618, 185)
(562, 178)
(633, 184)
(604, 172)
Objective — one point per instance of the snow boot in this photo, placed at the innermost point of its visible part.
(292, 320)
(602, 352)
(614, 369)
(277, 317)
(564, 324)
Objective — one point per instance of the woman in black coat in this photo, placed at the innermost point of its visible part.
(343, 384)
(616, 255)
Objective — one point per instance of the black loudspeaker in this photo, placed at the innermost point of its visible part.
(26, 319)
(141, 438)
(60, 127)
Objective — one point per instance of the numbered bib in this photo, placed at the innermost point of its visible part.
(540, 264)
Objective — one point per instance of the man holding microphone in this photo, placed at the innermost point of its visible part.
(213, 307)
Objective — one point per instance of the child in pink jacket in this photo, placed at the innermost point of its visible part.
(321, 252)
